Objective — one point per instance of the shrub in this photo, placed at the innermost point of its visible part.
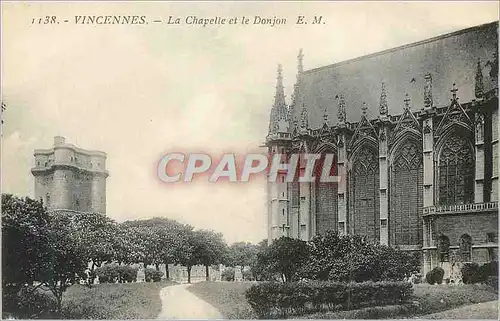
(487, 270)
(227, 274)
(112, 273)
(435, 276)
(493, 282)
(152, 275)
(29, 302)
(127, 274)
(470, 273)
(247, 275)
(270, 299)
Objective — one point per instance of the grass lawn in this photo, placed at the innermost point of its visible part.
(227, 297)
(485, 310)
(113, 301)
(428, 301)
(436, 298)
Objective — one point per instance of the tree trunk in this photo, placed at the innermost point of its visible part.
(189, 273)
(167, 272)
(207, 276)
(157, 266)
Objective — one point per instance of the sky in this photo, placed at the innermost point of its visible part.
(137, 92)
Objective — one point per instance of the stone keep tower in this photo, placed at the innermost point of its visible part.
(70, 178)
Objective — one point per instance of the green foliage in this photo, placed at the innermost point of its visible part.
(31, 302)
(227, 274)
(473, 273)
(152, 275)
(351, 258)
(93, 233)
(25, 240)
(247, 275)
(435, 276)
(112, 273)
(271, 299)
(470, 273)
(488, 270)
(285, 257)
(241, 253)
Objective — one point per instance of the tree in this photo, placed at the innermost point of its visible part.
(285, 256)
(66, 258)
(259, 266)
(185, 254)
(242, 254)
(95, 234)
(209, 249)
(352, 258)
(154, 241)
(25, 245)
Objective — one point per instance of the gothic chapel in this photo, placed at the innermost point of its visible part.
(414, 130)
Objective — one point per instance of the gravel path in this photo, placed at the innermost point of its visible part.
(178, 303)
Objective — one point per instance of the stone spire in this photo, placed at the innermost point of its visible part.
(300, 62)
(341, 108)
(428, 91)
(479, 90)
(304, 119)
(279, 97)
(295, 95)
(279, 111)
(325, 116)
(364, 109)
(383, 101)
(454, 92)
(407, 102)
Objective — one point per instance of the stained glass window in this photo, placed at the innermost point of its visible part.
(456, 172)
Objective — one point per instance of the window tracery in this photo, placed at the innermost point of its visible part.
(456, 172)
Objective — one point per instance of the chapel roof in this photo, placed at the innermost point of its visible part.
(450, 58)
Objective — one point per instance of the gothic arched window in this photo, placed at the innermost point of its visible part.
(364, 190)
(444, 248)
(465, 248)
(456, 172)
(406, 194)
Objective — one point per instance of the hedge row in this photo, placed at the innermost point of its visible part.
(152, 275)
(279, 300)
(116, 273)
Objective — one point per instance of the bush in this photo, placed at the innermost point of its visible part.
(470, 273)
(152, 275)
(435, 276)
(29, 302)
(112, 273)
(227, 274)
(270, 299)
(493, 282)
(247, 275)
(488, 270)
(127, 274)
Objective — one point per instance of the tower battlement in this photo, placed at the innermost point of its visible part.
(71, 178)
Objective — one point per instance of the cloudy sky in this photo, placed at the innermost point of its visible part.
(139, 91)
